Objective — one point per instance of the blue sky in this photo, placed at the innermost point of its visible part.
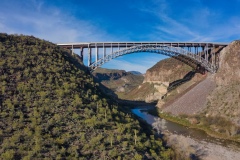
(123, 20)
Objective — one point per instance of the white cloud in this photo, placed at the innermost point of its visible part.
(50, 23)
(195, 22)
(38, 4)
(169, 26)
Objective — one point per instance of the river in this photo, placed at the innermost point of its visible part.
(230, 149)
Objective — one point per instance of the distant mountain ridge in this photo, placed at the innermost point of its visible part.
(119, 81)
(103, 74)
(135, 72)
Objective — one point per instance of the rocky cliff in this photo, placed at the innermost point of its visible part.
(165, 76)
(225, 99)
(167, 70)
(214, 103)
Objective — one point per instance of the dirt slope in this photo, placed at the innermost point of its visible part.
(193, 101)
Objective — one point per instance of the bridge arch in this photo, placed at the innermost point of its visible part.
(175, 52)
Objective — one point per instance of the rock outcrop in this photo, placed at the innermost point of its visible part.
(225, 99)
(166, 71)
(215, 102)
(229, 65)
(164, 76)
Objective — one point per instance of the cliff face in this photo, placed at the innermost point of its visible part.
(225, 99)
(229, 70)
(161, 77)
(214, 102)
(167, 70)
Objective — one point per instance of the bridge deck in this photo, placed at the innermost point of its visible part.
(130, 44)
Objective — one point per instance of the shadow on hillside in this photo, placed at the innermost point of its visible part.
(179, 82)
(191, 74)
(108, 92)
(135, 103)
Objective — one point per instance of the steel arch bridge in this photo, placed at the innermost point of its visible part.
(200, 54)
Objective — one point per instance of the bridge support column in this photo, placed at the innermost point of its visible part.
(89, 56)
(104, 51)
(81, 53)
(111, 50)
(96, 53)
(213, 57)
(72, 49)
(206, 53)
(203, 52)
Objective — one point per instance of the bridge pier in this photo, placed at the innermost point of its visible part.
(104, 51)
(89, 56)
(72, 49)
(206, 53)
(111, 48)
(81, 53)
(96, 53)
(213, 57)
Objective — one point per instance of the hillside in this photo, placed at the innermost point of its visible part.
(52, 109)
(225, 99)
(193, 101)
(168, 77)
(119, 81)
(214, 103)
(167, 70)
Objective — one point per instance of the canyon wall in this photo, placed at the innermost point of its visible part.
(225, 99)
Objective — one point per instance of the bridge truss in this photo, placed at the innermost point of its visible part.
(200, 54)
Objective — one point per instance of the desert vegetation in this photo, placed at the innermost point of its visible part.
(50, 108)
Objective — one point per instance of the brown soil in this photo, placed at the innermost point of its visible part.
(166, 104)
(193, 100)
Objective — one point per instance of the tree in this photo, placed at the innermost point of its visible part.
(159, 124)
(8, 155)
